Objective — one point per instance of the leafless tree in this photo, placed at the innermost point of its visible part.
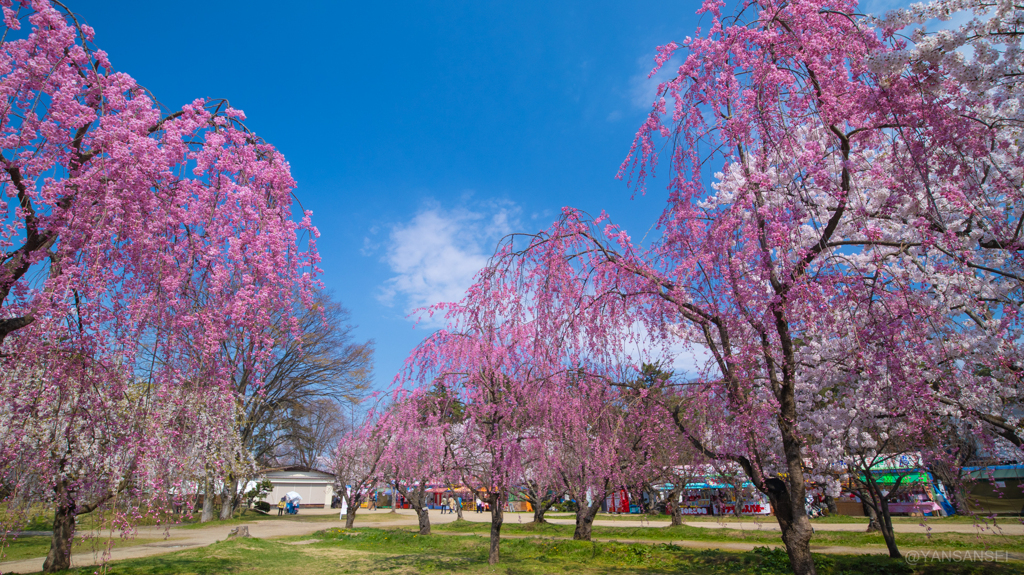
(311, 432)
(315, 360)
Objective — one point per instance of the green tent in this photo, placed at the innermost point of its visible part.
(1004, 496)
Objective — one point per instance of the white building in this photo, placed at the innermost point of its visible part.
(315, 487)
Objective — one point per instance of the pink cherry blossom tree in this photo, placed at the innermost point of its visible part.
(357, 465)
(863, 228)
(495, 371)
(416, 455)
(590, 442)
(136, 243)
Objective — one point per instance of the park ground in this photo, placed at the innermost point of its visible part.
(384, 542)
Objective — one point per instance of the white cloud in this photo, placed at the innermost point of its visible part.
(437, 253)
(643, 90)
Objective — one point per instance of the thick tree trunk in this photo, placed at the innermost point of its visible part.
(207, 514)
(59, 557)
(789, 495)
(227, 498)
(350, 513)
(788, 501)
(418, 501)
(585, 519)
(424, 519)
(673, 507)
(458, 508)
(497, 517)
(675, 511)
(538, 513)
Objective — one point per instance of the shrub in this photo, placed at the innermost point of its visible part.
(565, 507)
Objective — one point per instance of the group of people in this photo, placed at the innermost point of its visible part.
(448, 503)
(285, 506)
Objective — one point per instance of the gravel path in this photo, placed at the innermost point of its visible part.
(176, 539)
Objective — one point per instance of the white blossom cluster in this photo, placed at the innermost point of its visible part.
(983, 54)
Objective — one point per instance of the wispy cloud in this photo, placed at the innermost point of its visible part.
(643, 90)
(436, 254)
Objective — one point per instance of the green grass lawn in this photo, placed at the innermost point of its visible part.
(950, 541)
(402, 552)
(39, 546)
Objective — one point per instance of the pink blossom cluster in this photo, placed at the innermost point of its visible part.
(137, 246)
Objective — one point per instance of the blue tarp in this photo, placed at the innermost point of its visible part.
(996, 471)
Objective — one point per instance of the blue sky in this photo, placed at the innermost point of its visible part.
(419, 132)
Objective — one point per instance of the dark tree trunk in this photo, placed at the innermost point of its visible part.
(350, 512)
(881, 508)
(424, 518)
(789, 495)
(830, 502)
(793, 522)
(497, 517)
(585, 519)
(59, 557)
(541, 499)
(458, 507)
(538, 513)
(672, 505)
(418, 500)
(888, 533)
(675, 511)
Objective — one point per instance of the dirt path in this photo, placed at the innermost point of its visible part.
(177, 539)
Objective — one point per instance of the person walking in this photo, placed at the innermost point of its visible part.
(280, 507)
